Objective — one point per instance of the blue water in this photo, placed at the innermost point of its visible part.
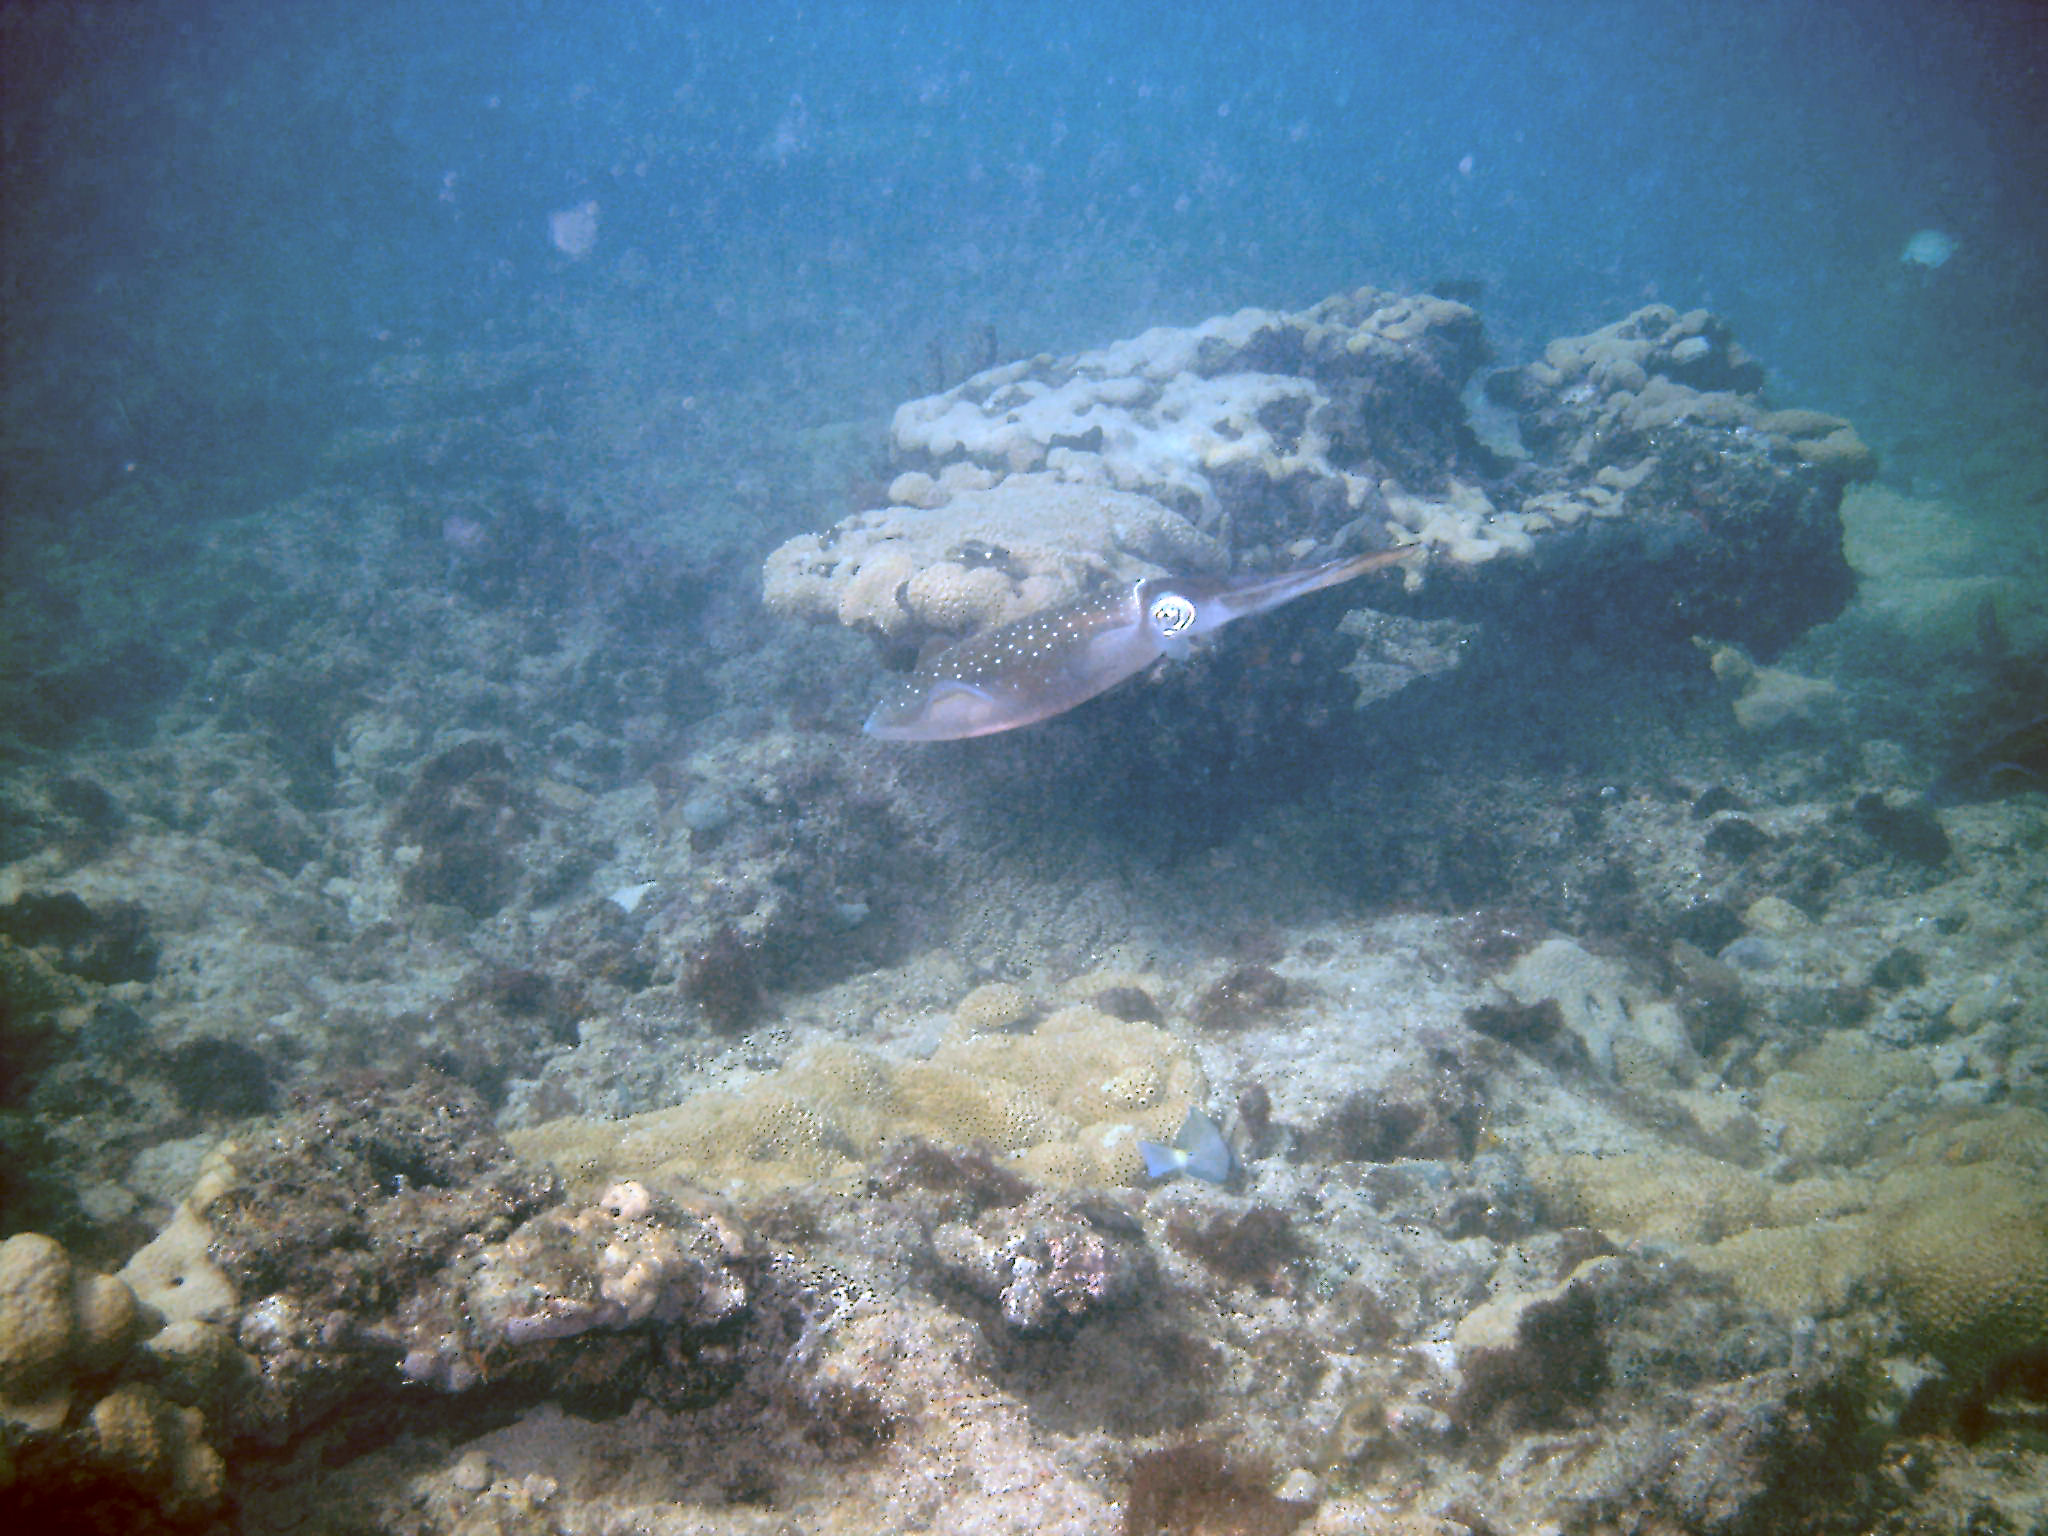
(399, 399)
(214, 212)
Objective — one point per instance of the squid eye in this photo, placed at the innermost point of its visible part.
(1172, 614)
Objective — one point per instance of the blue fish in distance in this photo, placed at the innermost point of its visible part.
(1199, 1151)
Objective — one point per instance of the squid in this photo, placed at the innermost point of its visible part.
(1045, 664)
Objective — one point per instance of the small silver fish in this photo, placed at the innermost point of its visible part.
(1044, 665)
(1199, 1151)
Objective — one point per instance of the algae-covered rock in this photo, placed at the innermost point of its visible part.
(1048, 1265)
(625, 1260)
(1626, 1031)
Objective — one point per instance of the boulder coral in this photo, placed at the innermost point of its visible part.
(1963, 1250)
(987, 556)
(159, 1449)
(134, 1458)
(59, 1326)
(1641, 458)
(1669, 1193)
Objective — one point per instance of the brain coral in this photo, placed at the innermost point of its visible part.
(1964, 1251)
(1668, 1193)
(1812, 1269)
(1955, 1234)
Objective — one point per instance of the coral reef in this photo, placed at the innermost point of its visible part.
(1633, 1110)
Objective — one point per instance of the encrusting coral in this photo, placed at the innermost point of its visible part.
(1069, 1100)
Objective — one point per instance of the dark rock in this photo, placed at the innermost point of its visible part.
(1899, 969)
(118, 691)
(89, 817)
(723, 978)
(1710, 995)
(1713, 801)
(467, 817)
(270, 829)
(968, 1176)
(85, 800)
(534, 997)
(109, 944)
(1196, 1490)
(1432, 1116)
(1709, 925)
(1535, 1029)
(1240, 998)
(1553, 1374)
(1494, 938)
(113, 1031)
(1997, 757)
(220, 1078)
(1259, 944)
(1131, 1004)
(1910, 832)
(1735, 838)
(1255, 1114)
(1810, 1011)
(1254, 1247)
